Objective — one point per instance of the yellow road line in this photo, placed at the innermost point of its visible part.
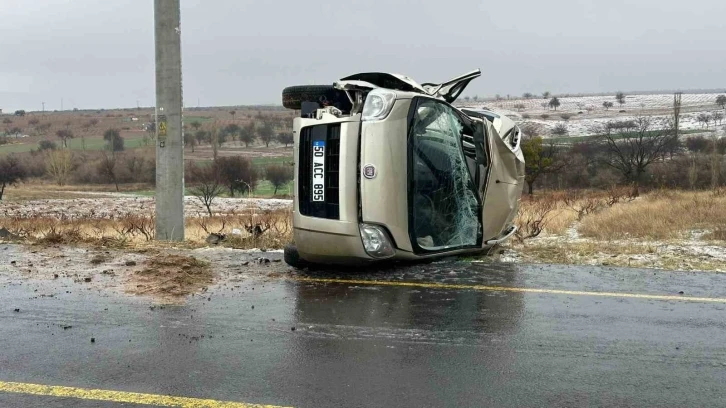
(508, 289)
(120, 396)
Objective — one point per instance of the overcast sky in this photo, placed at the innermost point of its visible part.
(100, 53)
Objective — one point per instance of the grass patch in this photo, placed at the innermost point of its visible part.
(717, 235)
(261, 162)
(658, 215)
(200, 119)
(73, 144)
(624, 254)
(257, 229)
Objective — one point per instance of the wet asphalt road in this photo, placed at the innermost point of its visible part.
(380, 346)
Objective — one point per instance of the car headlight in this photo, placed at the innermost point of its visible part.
(376, 241)
(378, 105)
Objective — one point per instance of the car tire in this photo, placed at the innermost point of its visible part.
(325, 95)
(292, 257)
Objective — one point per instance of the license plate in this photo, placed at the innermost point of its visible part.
(318, 170)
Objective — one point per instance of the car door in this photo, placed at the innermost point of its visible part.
(444, 207)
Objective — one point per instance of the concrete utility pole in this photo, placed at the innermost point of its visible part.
(169, 148)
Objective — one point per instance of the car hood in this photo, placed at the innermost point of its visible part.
(447, 91)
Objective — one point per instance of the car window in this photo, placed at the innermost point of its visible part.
(445, 210)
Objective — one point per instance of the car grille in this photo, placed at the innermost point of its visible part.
(330, 208)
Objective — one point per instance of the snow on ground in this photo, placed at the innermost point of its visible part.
(107, 208)
(592, 126)
(595, 103)
(587, 114)
(692, 253)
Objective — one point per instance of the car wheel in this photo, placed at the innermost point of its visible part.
(292, 257)
(325, 95)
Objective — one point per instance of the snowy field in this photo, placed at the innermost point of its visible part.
(117, 206)
(587, 114)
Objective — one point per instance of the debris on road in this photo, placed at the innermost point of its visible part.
(171, 277)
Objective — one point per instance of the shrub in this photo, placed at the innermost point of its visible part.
(11, 172)
(560, 129)
(46, 145)
(279, 175)
(237, 174)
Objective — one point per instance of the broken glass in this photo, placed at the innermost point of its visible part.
(445, 207)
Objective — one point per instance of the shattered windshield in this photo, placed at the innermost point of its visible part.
(445, 210)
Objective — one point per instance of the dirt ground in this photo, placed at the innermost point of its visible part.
(162, 276)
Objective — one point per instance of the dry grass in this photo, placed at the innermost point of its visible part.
(557, 221)
(716, 235)
(658, 215)
(44, 190)
(626, 254)
(257, 229)
(577, 253)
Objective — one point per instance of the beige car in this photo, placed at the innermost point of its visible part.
(387, 169)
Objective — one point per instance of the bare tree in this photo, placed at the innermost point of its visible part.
(560, 129)
(534, 217)
(677, 112)
(43, 128)
(717, 117)
(247, 135)
(232, 131)
(59, 164)
(11, 172)
(87, 128)
(634, 145)
(674, 144)
(554, 103)
(715, 163)
(237, 174)
(202, 136)
(285, 138)
(704, 118)
(279, 175)
(207, 186)
(189, 140)
(214, 139)
(540, 158)
(107, 167)
(15, 131)
(114, 141)
(620, 97)
(267, 133)
(64, 135)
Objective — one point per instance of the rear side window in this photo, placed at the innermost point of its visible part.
(445, 212)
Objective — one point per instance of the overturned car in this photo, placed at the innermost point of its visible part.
(387, 169)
